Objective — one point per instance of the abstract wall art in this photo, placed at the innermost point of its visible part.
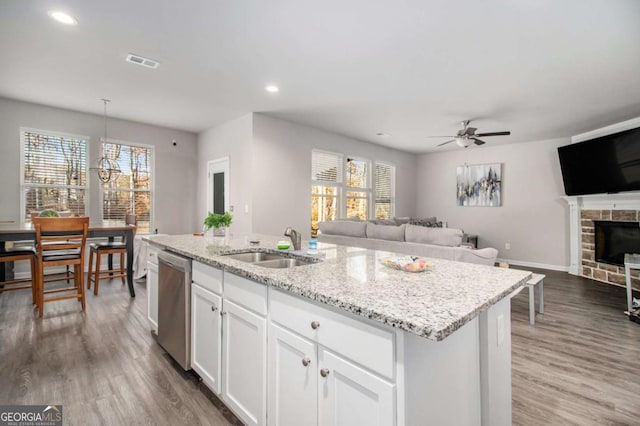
(479, 185)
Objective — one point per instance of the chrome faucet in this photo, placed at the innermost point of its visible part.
(296, 238)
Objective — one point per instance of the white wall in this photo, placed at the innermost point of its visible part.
(533, 217)
(282, 172)
(174, 179)
(231, 139)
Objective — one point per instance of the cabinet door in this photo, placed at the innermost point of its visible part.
(292, 378)
(206, 348)
(152, 295)
(244, 363)
(350, 395)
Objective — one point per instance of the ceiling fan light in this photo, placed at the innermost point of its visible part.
(463, 142)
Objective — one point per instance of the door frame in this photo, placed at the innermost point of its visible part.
(216, 166)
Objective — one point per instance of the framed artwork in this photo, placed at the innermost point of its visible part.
(479, 185)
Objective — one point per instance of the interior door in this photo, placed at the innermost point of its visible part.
(218, 184)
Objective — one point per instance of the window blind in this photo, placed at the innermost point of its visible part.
(384, 190)
(130, 193)
(326, 167)
(55, 173)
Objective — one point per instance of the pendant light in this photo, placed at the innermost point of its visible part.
(106, 168)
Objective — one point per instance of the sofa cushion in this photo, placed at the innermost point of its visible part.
(385, 232)
(437, 236)
(383, 222)
(347, 228)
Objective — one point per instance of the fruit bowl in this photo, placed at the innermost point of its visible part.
(407, 263)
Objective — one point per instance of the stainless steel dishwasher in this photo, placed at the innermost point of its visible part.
(174, 306)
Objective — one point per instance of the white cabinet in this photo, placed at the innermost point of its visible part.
(206, 341)
(292, 378)
(326, 368)
(152, 295)
(244, 362)
(350, 395)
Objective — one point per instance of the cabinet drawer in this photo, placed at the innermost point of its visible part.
(247, 293)
(207, 276)
(365, 344)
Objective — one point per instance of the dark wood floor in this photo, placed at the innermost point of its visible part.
(580, 363)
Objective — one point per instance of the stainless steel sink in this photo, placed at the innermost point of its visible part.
(269, 260)
(282, 263)
(254, 257)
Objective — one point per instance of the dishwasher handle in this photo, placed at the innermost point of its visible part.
(180, 263)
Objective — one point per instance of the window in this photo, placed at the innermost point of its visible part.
(130, 193)
(358, 188)
(335, 195)
(54, 173)
(326, 177)
(384, 182)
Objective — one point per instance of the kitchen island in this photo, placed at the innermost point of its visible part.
(373, 345)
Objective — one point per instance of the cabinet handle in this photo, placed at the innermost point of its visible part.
(324, 372)
(223, 313)
(213, 309)
(306, 361)
(315, 325)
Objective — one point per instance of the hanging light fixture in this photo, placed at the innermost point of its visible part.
(106, 168)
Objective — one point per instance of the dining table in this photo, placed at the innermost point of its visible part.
(100, 229)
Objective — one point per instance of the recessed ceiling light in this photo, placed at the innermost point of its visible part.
(63, 18)
(272, 89)
(383, 135)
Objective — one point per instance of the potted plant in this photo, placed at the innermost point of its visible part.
(219, 222)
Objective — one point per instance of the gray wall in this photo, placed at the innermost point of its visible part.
(231, 139)
(174, 178)
(281, 172)
(533, 218)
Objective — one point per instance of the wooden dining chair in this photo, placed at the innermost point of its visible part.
(53, 276)
(109, 248)
(14, 254)
(60, 242)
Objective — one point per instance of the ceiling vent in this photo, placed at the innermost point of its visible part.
(145, 62)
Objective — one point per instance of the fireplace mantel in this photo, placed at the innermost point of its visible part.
(622, 201)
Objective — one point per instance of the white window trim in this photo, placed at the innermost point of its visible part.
(393, 188)
(367, 190)
(23, 185)
(151, 190)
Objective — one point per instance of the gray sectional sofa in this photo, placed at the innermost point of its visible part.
(442, 243)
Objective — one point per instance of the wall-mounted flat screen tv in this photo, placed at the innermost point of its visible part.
(603, 165)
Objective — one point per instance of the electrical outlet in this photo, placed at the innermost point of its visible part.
(507, 246)
(500, 329)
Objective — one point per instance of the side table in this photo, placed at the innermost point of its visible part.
(631, 261)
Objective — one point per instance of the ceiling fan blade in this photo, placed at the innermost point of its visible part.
(470, 131)
(444, 143)
(494, 134)
(478, 141)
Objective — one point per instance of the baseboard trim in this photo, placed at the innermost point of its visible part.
(535, 265)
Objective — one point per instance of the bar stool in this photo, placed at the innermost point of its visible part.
(14, 254)
(109, 248)
(61, 242)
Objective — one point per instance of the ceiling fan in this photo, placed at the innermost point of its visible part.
(467, 135)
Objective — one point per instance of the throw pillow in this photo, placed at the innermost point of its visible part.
(429, 222)
(437, 236)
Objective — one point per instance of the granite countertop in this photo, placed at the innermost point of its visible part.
(430, 304)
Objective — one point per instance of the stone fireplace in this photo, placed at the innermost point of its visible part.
(583, 211)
